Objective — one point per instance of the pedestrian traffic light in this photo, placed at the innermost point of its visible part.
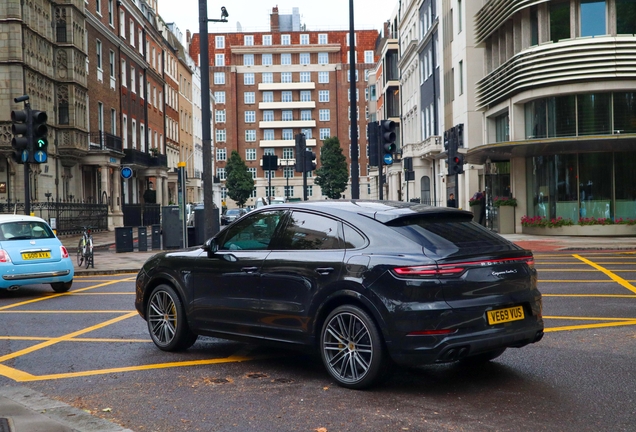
(300, 152)
(387, 139)
(310, 161)
(20, 128)
(39, 152)
(372, 136)
(456, 164)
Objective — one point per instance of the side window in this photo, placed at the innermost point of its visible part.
(254, 232)
(353, 239)
(306, 231)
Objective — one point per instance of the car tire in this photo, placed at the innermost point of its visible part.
(61, 287)
(483, 357)
(167, 321)
(352, 348)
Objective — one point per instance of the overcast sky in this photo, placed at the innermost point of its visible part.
(253, 15)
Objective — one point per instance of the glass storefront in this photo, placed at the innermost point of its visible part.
(588, 185)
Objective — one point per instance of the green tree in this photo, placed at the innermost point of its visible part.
(332, 176)
(239, 183)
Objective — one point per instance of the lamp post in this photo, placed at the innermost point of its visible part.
(208, 184)
(353, 101)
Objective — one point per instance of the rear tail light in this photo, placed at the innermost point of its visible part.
(456, 269)
(64, 252)
(4, 256)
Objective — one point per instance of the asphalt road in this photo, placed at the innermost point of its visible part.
(91, 350)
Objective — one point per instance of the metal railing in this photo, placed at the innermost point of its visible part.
(69, 216)
(105, 141)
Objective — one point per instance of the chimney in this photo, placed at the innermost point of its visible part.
(188, 37)
(274, 26)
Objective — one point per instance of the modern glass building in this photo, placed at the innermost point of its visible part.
(559, 105)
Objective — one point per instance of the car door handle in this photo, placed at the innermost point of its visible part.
(249, 269)
(324, 270)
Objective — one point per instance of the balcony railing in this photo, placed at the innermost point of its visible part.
(105, 141)
(135, 157)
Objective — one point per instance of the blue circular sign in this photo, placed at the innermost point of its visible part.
(126, 172)
(388, 159)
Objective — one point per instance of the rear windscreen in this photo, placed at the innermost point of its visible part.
(450, 237)
(23, 230)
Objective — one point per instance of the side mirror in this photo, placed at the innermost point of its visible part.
(211, 246)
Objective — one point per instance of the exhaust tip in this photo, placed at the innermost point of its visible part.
(13, 288)
(538, 336)
(463, 352)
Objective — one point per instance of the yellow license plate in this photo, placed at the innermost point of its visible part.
(505, 315)
(35, 255)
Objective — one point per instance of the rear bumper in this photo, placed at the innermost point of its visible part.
(451, 348)
(19, 275)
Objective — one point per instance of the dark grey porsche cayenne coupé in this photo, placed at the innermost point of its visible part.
(367, 283)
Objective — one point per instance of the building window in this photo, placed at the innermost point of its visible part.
(134, 134)
(219, 78)
(285, 59)
(323, 58)
(461, 77)
(305, 77)
(286, 96)
(249, 97)
(98, 53)
(220, 173)
(288, 152)
(219, 60)
(219, 116)
(323, 95)
(250, 135)
(593, 18)
(268, 135)
(248, 79)
(307, 133)
(305, 96)
(219, 42)
(325, 133)
(285, 39)
(625, 13)
(368, 57)
(288, 115)
(110, 12)
(268, 96)
(323, 77)
(133, 83)
(305, 115)
(288, 172)
(304, 39)
(323, 39)
(250, 116)
(250, 154)
(252, 171)
(460, 24)
(324, 115)
(122, 24)
(349, 75)
(502, 127)
(220, 135)
(285, 77)
(268, 77)
(268, 115)
(288, 134)
(305, 58)
(248, 40)
(248, 59)
(113, 121)
(219, 97)
(560, 20)
(266, 59)
(221, 154)
(267, 40)
(100, 116)
(131, 32)
(98, 6)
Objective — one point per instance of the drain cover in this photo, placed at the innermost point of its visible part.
(4, 425)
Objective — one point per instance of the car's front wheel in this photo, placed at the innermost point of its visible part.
(167, 322)
(351, 348)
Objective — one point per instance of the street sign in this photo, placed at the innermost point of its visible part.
(25, 156)
(388, 159)
(40, 156)
(126, 172)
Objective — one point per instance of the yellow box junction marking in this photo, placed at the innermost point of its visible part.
(619, 280)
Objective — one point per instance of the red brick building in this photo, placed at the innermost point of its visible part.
(269, 86)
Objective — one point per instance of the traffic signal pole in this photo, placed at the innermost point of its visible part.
(27, 183)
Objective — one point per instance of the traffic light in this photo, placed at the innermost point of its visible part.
(456, 164)
(310, 161)
(39, 152)
(300, 152)
(20, 130)
(387, 139)
(372, 135)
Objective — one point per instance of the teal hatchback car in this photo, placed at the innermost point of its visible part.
(30, 253)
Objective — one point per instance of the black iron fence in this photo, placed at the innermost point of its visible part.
(69, 217)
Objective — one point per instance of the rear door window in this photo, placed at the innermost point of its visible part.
(307, 231)
(451, 235)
